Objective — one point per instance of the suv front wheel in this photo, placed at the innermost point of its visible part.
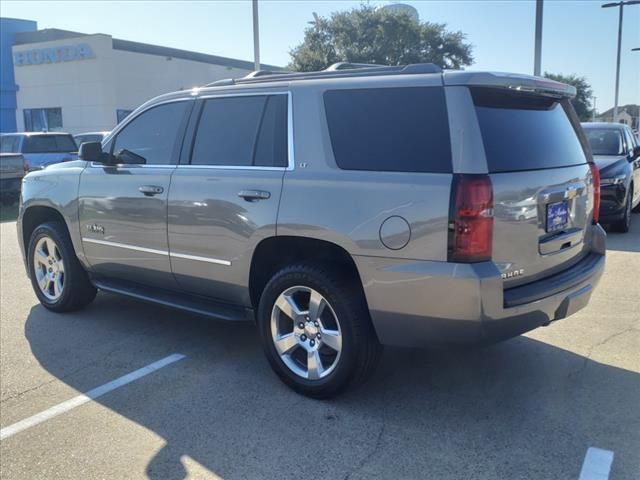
(58, 279)
(316, 331)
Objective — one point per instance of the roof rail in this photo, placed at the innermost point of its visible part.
(262, 73)
(349, 66)
(337, 70)
(254, 74)
(221, 83)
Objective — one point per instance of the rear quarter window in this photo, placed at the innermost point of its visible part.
(389, 129)
(524, 132)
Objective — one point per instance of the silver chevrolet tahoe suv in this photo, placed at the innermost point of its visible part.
(340, 210)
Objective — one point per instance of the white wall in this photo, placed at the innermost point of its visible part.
(90, 91)
(78, 87)
(142, 77)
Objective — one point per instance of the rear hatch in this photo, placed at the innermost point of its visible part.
(542, 185)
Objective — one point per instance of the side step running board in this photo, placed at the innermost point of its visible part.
(181, 301)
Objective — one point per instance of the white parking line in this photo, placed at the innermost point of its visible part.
(597, 464)
(87, 397)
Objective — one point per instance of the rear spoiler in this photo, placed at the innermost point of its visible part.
(510, 81)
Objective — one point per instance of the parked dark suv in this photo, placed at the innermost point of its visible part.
(340, 210)
(617, 154)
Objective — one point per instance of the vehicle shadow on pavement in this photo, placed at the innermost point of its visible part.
(520, 409)
(626, 242)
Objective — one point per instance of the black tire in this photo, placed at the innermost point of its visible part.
(360, 349)
(624, 223)
(77, 290)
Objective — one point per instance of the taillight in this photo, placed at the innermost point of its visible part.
(595, 176)
(471, 219)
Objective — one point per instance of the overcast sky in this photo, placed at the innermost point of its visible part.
(579, 36)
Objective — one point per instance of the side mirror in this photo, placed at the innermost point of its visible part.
(636, 152)
(91, 152)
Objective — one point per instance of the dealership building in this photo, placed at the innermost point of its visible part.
(59, 80)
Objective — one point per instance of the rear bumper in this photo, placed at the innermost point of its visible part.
(420, 304)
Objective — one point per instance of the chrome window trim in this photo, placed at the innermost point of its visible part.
(131, 165)
(290, 138)
(157, 252)
(237, 167)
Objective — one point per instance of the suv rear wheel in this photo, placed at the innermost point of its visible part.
(58, 279)
(316, 331)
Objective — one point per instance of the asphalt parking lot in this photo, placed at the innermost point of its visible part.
(527, 408)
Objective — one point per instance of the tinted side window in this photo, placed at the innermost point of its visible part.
(242, 131)
(271, 145)
(389, 129)
(152, 134)
(523, 132)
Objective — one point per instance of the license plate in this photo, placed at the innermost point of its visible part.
(557, 216)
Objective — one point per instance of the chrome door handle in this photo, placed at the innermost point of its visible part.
(150, 190)
(253, 195)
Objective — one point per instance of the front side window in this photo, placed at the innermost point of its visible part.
(150, 137)
(389, 129)
(242, 131)
(42, 119)
(605, 141)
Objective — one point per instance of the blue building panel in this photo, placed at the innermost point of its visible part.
(8, 88)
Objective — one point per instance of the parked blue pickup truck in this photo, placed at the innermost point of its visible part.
(40, 149)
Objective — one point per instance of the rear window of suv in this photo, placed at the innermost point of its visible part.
(389, 129)
(49, 144)
(523, 132)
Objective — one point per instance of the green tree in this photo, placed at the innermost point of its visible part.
(584, 96)
(370, 35)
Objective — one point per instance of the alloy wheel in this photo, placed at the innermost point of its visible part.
(48, 267)
(306, 332)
